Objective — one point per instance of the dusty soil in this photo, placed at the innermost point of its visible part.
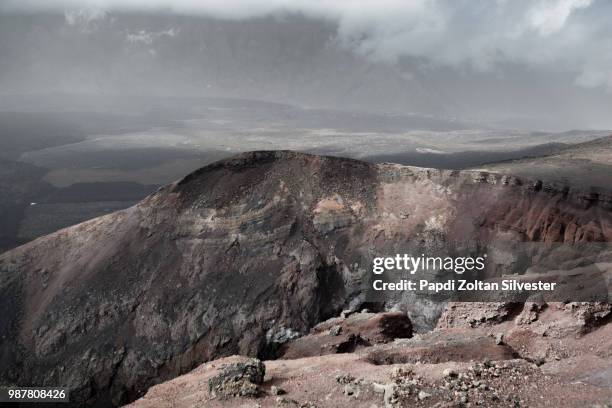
(513, 363)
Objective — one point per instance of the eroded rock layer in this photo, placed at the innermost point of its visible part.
(248, 253)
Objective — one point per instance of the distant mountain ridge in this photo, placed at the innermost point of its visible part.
(582, 165)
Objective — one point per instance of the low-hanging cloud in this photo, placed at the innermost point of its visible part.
(565, 35)
(147, 38)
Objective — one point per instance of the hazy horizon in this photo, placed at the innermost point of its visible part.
(543, 65)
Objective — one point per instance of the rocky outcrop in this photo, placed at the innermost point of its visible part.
(346, 335)
(479, 378)
(539, 355)
(250, 252)
(241, 379)
(439, 347)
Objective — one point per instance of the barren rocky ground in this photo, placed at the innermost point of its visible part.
(546, 355)
(249, 254)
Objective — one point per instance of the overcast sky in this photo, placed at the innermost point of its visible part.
(568, 41)
(573, 35)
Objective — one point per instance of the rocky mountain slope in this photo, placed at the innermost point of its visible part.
(248, 253)
(572, 165)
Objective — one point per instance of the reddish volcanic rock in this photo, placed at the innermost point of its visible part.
(439, 347)
(344, 335)
(250, 252)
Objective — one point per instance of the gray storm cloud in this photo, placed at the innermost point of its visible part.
(565, 35)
